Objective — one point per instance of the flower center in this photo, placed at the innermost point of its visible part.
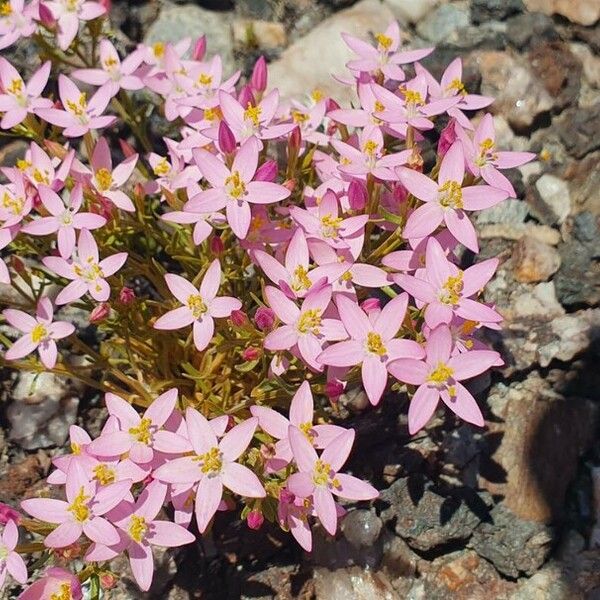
(142, 431)
(12, 204)
(236, 188)
(384, 41)
(301, 280)
(330, 225)
(79, 507)
(299, 116)
(158, 49)
(196, 305)
(322, 475)
(457, 85)
(110, 63)
(486, 153)
(3, 552)
(75, 448)
(450, 195)
(72, 5)
(38, 333)
(452, 289)
(310, 321)
(212, 114)
(307, 430)
(204, 79)
(441, 374)
(375, 344)
(137, 528)
(89, 272)
(104, 474)
(370, 147)
(162, 168)
(16, 89)
(212, 461)
(67, 218)
(413, 97)
(40, 177)
(5, 9)
(78, 108)
(104, 179)
(64, 592)
(252, 114)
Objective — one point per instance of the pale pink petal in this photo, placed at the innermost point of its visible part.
(336, 453)
(343, 354)
(211, 281)
(208, 498)
(19, 320)
(453, 165)
(213, 170)
(101, 531)
(111, 444)
(170, 443)
(46, 509)
(409, 370)
(223, 306)
(65, 534)
(203, 332)
(476, 276)
(423, 221)
(239, 216)
(418, 185)
(142, 565)
(391, 317)
(478, 197)
(237, 439)
(15, 565)
(265, 192)
(200, 433)
(439, 345)
(304, 454)
(469, 364)
(325, 509)
(465, 406)
(353, 488)
(374, 377)
(48, 353)
(417, 288)
(422, 407)
(301, 484)
(283, 338)
(302, 405)
(175, 319)
(179, 470)
(169, 535)
(462, 229)
(242, 481)
(22, 347)
(355, 321)
(284, 308)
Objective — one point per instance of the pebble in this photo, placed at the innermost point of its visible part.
(483, 11)
(443, 24)
(510, 211)
(583, 12)
(556, 199)
(265, 34)
(361, 527)
(589, 61)
(355, 583)
(410, 11)
(534, 261)
(516, 231)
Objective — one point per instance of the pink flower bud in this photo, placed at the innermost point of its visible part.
(17, 264)
(246, 97)
(251, 353)
(286, 496)
(295, 139)
(331, 104)
(239, 318)
(258, 80)
(7, 513)
(447, 138)
(226, 138)
(126, 295)
(126, 148)
(268, 451)
(370, 304)
(266, 172)
(199, 48)
(255, 519)
(264, 318)
(357, 195)
(216, 245)
(46, 17)
(334, 389)
(107, 580)
(290, 184)
(107, 4)
(100, 312)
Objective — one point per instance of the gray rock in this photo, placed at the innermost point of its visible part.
(424, 519)
(483, 11)
(514, 546)
(177, 22)
(579, 129)
(578, 280)
(555, 198)
(443, 24)
(547, 584)
(510, 211)
(528, 27)
(361, 527)
(410, 11)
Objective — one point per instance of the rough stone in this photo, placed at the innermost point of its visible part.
(410, 11)
(579, 129)
(265, 34)
(483, 11)
(555, 198)
(520, 102)
(428, 520)
(547, 584)
(583, 177)
(176, 22)
(444, 23)
(583, 12)
(529, 27)
(542, 436)
(361, 527)
(589, 61)
(275, 582)
(534, 261)
(517, 231)
(398, 558)
(513, 545)
(510, 211)
(325, 51)
(18, 477)
(355, 583)
(578, 280)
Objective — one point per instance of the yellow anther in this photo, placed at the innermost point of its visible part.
(384, 41)
(158, 49)
(299, 116)
(450, 195)
(16, 87)
(468, 327)
(308, 431)
(309, 321)
(204, 79)
(64, 593)
(452, 289)
(212, 461)
(457, 85)
(23, 164)
(104, 474)
(347, 276)
(104, 179)
(375, 344)
(142, 432)
(162, 167)
(75, 448)
(370, 147)
(321, 473)
(13, 205)
(137, 528)
(79, 507)
(40, 177)
(5, 8)
(236, 188)
(196, 305)
(317, 95)
(440, 374)
(330, 225)
(379, 106)
(212, 114)
(78, 108)
(413, 97)
(301, 280)
(110, 62)
(252, 113)
(38, 333)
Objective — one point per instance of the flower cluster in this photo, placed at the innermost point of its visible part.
(267, 253)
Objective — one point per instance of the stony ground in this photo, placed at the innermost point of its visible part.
(507, 513)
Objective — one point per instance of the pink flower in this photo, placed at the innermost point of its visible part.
(213, 465)
(447, 200)
(171, 174)
(439, 376)
(234, 189)
(293, 513)
(446, 290)
(40, 333)
(385, 57)
(200, 307)
(56, 583)
(83, 511)
(39, 169)
(7, 235)
(16, 21)
(140, 436)
(319, 477)
(79, 116)
(7, 513)
(19, 99)
(113, 73)
(301, 416)
(64, 220)
(87, 272)
(484, 160)
(139, 531)
(15, 203)
(372, 344)
(106, 180)
(304, 328)
(68, 13)
(10, 561)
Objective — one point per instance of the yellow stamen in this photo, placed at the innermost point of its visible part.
(158, 49)
(413, 97)
(440, 374)
(40, 177)
(450, 195)
(75, 448)
(212, 114)
(212, 461)
(23, 164)
(78, 108)
(196, 305)
(452, 289)
(310, 320)
(16, 87)
(104, 179)
(142, 431)
(110, 62)
(252, 113)
(317, 95)
(204, 79)
(236, 188)
(330, 225)
(375, 344)
(384, 41)
(137, 528)
(307, 430)
(301, 280)
(370, 147)
(104, 474)
(64, 593)
(38, 333)
(162, 168)
(457, 85)
(299, 116)
(5, 8)
(79, 507)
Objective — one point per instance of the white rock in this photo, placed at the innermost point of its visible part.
(309, 62)
(590, 62)
(540, 303)
(584, 12)
(266, 34)
(411, 11)
(555, 193)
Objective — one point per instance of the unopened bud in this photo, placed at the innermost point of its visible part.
(17, 264)
(246, 97)
(107, 580)
(46, 17)
(266, 172)
(7, 513)
(334, 389)
(290, 184)
(258, 80)
(295, 139)
(331, 104)
(199, 48)
(239, 318)
(357, 195)
(100, 312)
(216, 245)
(264, 318)
(126, 295)
(107, 4)
(251, 353)
(447, 138)
(226, 139)
(370, 304)
(255, 519)
(286, 496)
(126, 148)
